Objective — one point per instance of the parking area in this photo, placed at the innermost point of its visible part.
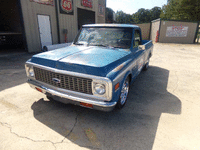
(162, 111)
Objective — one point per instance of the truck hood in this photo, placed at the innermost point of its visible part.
(92, 60)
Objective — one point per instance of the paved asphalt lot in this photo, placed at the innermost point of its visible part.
(162, 112)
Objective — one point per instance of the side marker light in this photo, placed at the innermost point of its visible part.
(116, 86)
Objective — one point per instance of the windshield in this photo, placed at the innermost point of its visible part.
(107, 37)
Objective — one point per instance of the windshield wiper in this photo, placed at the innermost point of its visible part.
(78, 43)
(116, 47)
(98, 45)
(103, 45)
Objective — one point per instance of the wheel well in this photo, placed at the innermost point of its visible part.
(150, 55)
(130, 77)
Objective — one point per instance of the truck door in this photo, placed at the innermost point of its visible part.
(139, 54)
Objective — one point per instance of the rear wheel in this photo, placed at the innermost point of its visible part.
(146, 65)
(124, 94)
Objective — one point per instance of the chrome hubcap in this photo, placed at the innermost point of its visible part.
(124, 92)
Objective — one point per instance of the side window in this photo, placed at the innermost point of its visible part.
(137, 39)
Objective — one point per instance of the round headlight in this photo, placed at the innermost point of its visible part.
(100, 89)
(31, 72)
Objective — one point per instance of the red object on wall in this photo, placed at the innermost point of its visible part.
(66, 38)
(66, 5)
(157, 35)
(87, 3)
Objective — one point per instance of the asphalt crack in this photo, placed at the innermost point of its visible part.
(76, 120)
(36, 141)
(40, 141)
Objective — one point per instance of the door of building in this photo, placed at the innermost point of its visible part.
(45, 30)
(85, 17)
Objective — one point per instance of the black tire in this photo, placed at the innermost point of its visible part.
(50, 98)
(146, 66)
(123, 94)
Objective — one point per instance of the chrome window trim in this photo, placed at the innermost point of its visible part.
(106, 97)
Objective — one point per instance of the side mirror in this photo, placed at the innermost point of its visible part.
(141, 47)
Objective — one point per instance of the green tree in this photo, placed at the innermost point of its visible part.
(181, 10)
(155, 13)
(141, 16)
(122, 17)
(109, 15)
(146, 15)
(129, 19)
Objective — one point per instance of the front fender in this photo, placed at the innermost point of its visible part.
(121, 80)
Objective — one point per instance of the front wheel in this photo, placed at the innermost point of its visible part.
(124, 94)
(49, 98)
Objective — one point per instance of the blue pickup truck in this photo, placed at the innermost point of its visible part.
(96, 70)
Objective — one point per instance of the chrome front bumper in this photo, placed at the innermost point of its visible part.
(70, 99)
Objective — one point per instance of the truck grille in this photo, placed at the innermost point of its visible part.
(63, 81)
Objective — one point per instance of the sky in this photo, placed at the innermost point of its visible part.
(132, 6)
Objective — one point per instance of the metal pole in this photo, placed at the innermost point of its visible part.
(57, 20)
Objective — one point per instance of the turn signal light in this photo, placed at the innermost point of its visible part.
(87, 105)
(39, 90)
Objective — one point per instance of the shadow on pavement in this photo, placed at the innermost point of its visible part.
(12, 70)
(133, 127)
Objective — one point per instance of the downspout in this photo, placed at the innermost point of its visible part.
(57, 20)
(104, 11)
(150, 31)
(197, 31)
(159, 30)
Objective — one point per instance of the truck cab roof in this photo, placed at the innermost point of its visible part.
(112, 25)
